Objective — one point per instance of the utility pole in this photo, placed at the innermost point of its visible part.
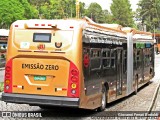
(77, 9)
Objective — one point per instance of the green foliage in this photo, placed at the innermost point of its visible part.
(55, 9)
(1, 86)
(10, 11)
(29, 11)
(94, 11)
(149, 13)
(122, 13)
(107, 17)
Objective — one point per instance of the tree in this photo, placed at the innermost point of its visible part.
(10, 11)
(94, 11)
(82, 9)
(29, 11)
(149, 13)
(38, 3)
(58, 9)
(107, 17)
(122, 13)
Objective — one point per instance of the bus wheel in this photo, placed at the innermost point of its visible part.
(103, 100)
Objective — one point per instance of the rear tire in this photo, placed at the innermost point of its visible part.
(103, 100)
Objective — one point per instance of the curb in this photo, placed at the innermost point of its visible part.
(154, 98)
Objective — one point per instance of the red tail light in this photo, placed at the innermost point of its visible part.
(73, 81)
(8, 77)
(74, 72)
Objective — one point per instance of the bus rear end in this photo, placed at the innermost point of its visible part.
(40, 69)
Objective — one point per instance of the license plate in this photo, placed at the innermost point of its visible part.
(40, 78)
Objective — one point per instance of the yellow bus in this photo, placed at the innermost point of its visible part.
(73, 63)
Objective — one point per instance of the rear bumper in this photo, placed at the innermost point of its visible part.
(40, 100)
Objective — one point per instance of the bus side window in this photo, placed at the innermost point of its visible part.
(95, 59)
(139, 58)
(125, 62)
(113, 58)
(135, 59)
(138, 55)
(106, 59)
(150, 53)
(146, 57)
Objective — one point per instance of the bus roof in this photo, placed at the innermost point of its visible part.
(137, 34)
(111, 27)
(114, 26)
(156, 34)
(85, 23)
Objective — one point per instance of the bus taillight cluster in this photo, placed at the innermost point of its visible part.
(8, 77)
(73, 83)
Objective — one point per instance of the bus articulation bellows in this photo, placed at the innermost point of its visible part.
(75, 63)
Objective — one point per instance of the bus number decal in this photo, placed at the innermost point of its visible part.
(40, 66)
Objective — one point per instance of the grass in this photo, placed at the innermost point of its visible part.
(1, 86)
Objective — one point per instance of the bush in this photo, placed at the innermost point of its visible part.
(1, 86)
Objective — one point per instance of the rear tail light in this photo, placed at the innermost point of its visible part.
(74, 72)
(74, 78)
(7, 87)
(73, 91)
(73, 82)
(73, 86)
(7, 82)
(8, 77)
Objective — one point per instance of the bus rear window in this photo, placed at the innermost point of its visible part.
(41, 37)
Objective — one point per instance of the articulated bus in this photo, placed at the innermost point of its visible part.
(75, 63)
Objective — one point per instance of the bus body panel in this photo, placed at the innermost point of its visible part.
(40, 76)
(57, 39)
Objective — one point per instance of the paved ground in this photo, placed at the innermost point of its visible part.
(156, 107)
